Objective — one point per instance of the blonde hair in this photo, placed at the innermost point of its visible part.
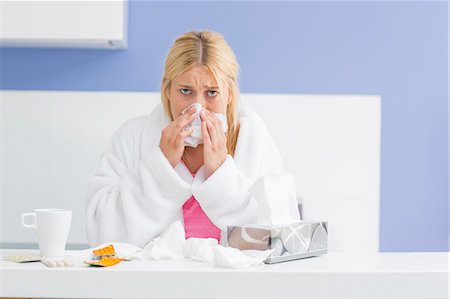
(209, 49)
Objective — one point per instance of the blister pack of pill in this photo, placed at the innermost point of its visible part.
(107, 251)
(22, 258)
(106, 257)
(105, 262)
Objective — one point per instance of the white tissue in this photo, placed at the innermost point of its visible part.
(199, 249)
(196, 136)
(277, 199)
(170, 245)
(229, 257)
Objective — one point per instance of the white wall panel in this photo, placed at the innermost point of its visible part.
(52, 141)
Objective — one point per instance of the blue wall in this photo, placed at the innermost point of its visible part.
(395, 49)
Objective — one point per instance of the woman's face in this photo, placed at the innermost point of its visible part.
(197, 86)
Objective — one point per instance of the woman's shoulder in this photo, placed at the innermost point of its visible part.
(132, 125)
(255, 145)
(249, 116)
(141, 122)
(252, 127)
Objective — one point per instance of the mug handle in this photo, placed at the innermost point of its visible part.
(33, 225)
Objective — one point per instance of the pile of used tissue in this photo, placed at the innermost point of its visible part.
(172, 244)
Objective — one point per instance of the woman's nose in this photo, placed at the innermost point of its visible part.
(200, 100)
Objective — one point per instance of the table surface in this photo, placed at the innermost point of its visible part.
(333, 275)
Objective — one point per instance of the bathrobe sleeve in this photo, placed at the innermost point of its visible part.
(226, 196)
(132, 198)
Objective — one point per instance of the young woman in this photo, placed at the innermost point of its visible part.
(149, 175)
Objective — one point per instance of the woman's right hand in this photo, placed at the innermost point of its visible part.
(172, 137)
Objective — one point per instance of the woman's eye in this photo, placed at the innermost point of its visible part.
(185, 91)
(212, 93)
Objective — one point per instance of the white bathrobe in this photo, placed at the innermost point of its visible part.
(135, 193)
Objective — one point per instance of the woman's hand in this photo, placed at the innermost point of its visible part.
(172, 137)
(214, 142)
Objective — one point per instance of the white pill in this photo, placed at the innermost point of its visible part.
(67, 263)
(60, 263)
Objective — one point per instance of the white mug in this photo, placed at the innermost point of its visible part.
(52, 227)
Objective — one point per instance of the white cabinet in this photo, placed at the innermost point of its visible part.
(69, 24)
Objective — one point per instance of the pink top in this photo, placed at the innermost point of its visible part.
(196, 222)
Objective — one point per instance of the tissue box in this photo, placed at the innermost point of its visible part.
(288, 241)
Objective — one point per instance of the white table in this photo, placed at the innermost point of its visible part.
(378, 275)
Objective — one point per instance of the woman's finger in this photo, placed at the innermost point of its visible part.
(184, 120)
(187, 110)
(212, 118)
(183, 134)
(216, 131)
(206, 136)
(210, 126)
(219, 126)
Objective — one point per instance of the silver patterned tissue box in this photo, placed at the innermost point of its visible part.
(288, 241)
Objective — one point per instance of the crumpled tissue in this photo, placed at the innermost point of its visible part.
(196, 136)
(172, 245)
(200, 249)
(167, 246)
(229, 257)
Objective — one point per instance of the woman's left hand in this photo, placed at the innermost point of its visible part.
(214, 142)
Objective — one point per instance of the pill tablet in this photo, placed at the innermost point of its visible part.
(67, 264)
